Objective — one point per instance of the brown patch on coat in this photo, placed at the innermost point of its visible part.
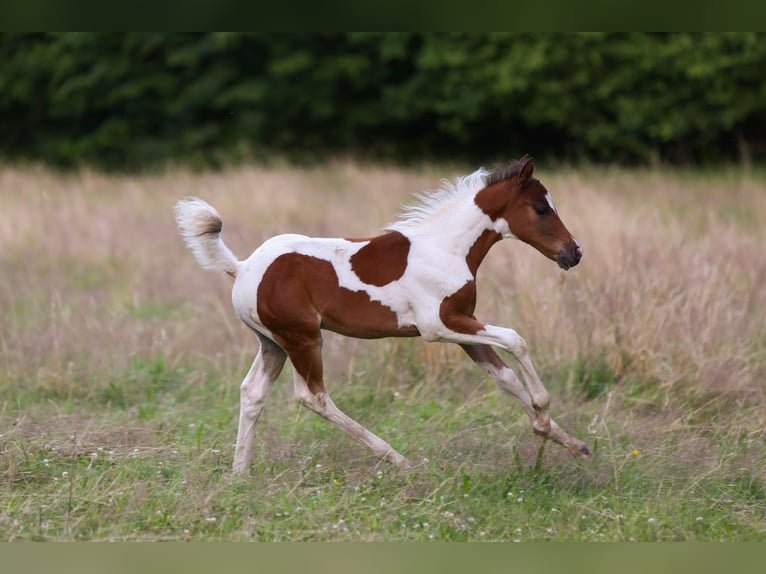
(479, 249)
(492, 200)
(456, 310)
(383, 260)
(300, 294)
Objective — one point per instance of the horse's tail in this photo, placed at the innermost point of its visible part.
(200, 226)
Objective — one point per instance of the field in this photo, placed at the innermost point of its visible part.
(120, 363)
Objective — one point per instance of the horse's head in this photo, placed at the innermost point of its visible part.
(526, 206)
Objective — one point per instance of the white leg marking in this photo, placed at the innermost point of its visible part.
(509, 340)
(254, 391)
(322, 404)
(505, 378)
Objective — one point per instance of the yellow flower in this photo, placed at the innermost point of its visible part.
(335, 481)
(635, 452)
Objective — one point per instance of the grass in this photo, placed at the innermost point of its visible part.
(120, 362)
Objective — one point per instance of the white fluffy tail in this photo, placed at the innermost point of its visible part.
(200, 226)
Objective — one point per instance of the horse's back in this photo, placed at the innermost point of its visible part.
(298, 280)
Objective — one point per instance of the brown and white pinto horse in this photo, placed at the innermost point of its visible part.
(416, 279)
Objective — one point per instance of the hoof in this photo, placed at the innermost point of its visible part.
(239, 469)
(583, 452)
(398, 460)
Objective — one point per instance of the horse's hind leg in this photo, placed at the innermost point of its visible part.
(254, 391)
(306, 356)
(486, 357)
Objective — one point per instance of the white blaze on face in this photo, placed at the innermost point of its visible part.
(549, 199)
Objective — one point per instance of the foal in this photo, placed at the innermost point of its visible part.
(416, 279)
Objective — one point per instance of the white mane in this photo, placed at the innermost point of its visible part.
(433, 201)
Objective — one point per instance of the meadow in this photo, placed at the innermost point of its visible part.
(120, 364)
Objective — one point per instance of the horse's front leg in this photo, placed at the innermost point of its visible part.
(512, 342)
(505, 378)
(467, 330)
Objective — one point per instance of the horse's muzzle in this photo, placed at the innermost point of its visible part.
(569, 256)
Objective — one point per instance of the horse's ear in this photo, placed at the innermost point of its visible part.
(527, 167)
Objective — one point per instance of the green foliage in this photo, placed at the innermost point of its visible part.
(132, 100)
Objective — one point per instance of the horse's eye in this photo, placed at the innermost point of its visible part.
(541, 209)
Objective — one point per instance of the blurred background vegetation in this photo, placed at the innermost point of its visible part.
(131, 101)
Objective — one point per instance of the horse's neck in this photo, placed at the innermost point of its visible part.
(459, 229)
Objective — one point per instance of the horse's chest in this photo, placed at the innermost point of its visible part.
(436, 273)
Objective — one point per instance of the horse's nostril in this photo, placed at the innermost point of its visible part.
(578, 253)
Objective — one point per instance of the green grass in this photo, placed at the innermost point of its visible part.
(147, 460)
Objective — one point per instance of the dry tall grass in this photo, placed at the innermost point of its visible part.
(667, 306)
